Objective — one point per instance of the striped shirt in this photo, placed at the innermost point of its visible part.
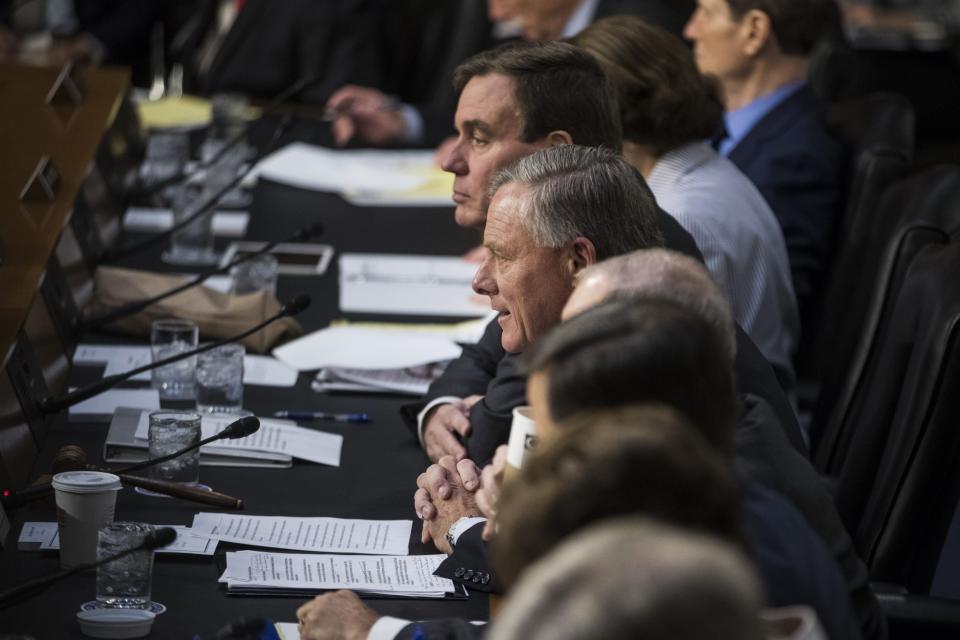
(741, 241)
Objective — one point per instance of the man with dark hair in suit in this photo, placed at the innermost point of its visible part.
(759, 50)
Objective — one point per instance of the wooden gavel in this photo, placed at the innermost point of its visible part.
(73, 458)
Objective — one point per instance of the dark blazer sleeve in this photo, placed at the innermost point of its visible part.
(469, 564)
(756, 376)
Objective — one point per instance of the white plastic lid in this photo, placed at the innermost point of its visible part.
(115, 623)
(86, 482)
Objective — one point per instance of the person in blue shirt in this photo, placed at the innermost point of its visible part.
(774, 128)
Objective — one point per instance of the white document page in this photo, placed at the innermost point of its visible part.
(108, 401)
(409, 285)
(380, 574)
(310, 167)
(320, 535)
(268, 372)
(46, 535)
(273, 436)
(229, 224)
(365, 348)
(257, 370)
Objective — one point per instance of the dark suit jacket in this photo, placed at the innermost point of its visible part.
(272, 45)
(800, 170)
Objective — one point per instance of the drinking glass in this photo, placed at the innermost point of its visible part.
(124, 583)
(171, 431)
(168, 338)
(220, 379)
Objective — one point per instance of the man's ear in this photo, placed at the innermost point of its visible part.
(756, 32)
(583, 253)
(558, 138)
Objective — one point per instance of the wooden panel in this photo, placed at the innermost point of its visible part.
(29, 232)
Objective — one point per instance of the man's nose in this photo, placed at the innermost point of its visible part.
(483, 281)
(455, 162)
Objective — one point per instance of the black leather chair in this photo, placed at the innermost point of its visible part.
(908, 510)
(898, 488)
(879, 130)
(922, 210)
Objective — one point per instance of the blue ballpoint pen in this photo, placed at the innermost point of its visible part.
(320, 415)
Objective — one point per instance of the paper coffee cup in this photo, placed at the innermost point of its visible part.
(86, 501)
(523, 437)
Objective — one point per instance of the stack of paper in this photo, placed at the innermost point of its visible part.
(413, 381)
(409, 285)
(306, 573)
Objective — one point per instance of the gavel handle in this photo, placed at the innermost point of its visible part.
(178, 490)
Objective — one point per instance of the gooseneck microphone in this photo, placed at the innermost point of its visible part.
(206, 203)
(53, 404)
(240, 428)
(279, 101)
(158, 538)
(96, 322)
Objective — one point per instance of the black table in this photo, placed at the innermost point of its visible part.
(379, 465)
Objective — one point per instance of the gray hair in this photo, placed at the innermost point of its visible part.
(579, 191)
(635, 578)
(664, 274)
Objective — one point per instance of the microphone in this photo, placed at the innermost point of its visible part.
(77, 458)
(87, 324)
(158, 538)
(276, 103)
(53, 404)
(206, 204)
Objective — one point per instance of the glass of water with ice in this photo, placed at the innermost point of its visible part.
(171, 431)
(220, 380)
(124, 583)
(168, 338)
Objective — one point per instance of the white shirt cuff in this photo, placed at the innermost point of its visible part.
(387, 628)
(436, 402)
(459, 527)
(414, 123)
